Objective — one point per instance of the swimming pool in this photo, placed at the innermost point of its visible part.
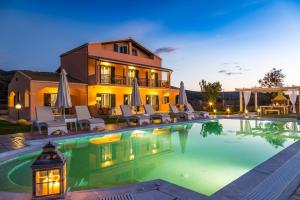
(201, 156)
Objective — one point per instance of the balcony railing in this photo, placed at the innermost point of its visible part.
(122, 80)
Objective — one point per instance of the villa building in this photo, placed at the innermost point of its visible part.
(101, 75)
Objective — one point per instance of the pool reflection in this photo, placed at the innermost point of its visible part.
(123, 158)
(118, 159)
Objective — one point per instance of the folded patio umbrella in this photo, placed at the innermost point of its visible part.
(135, 95)
(63, 94)
(182, 99)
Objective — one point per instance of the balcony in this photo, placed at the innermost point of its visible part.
(127, 81)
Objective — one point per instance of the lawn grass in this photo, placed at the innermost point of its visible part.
(11, 128)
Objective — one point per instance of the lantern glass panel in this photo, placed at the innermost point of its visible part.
(48, 182)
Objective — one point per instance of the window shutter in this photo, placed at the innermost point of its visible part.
(176, 99)
(47, 99)
(113, 101)
(157, 102)
(147, 79)
(112, 75)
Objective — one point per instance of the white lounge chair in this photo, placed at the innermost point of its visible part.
(45, 118)
(175, 112)
(164, 117)
(129, 116)
(198, 114)
(84, 116)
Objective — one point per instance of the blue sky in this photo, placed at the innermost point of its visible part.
(235, 42)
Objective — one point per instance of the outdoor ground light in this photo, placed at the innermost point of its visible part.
(215, 111)
(228, 110)
(18, 107)
(49, 174)
(210, 104)
(258, 110)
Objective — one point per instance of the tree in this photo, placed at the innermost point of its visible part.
(274, 78)
(210, 90)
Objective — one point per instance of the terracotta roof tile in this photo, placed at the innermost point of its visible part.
(47, 76)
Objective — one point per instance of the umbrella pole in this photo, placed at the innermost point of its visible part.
(64, 112)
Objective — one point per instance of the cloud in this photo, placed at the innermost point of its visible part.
(228, 73)
(164, 50)
(232, 73)
(230, 63)
(236, 70)
(222, 71)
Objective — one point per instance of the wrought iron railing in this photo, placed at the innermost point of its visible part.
(128, 81)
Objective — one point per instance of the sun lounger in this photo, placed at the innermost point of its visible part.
(129, 116)
(45, 118)
(84, 116)
(164, 117)
(199, 114)
(176, 113)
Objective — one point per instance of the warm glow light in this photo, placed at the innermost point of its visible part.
(106, 139)
(228, 110)
(105, 63)
(246, 111)
(210, 103)
(258, 110)
(137, 133)
(154, 151)
(131, 157)
(106, 164)
(18, 106)
(48, 182)
(158, 131)
(131, 67)
(98, 98)
(215, 110)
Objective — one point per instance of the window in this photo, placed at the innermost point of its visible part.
(26, 99)
(11, 99)
(154, 79)
(121, 48)
(105, 74)
(153, 100)
(166, 99)
(134, 52)
(50, 99)
(106, 100)
(127, 99)
(176, 99)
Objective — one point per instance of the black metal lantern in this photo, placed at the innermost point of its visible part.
(49, 174)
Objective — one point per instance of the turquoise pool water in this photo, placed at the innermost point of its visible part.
(203, 157)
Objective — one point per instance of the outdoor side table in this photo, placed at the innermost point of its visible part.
(71, 121)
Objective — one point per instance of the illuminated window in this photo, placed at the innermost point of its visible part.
(127, 99)
(26, 99)
(153, 100)
(106, 100)
(166, 99)
(11, 99)
(50, 99)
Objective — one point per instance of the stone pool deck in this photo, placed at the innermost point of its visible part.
(276, 178)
